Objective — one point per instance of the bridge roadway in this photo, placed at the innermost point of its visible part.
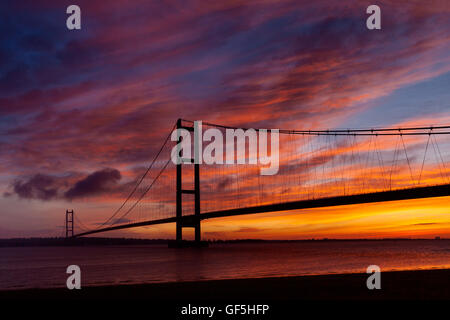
(383, 196)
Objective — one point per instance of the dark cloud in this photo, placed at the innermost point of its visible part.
(39, 186)
(72, 186)
(16, 77)
(122, 220)
(248, 230)
(224, 183)
(94, 184)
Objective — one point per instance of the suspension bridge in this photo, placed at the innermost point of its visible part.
(317, 168)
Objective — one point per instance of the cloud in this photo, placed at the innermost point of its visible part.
(256, 64)
(249, 230)
(96, 183)
(122, 220)
(39, 186)
(224, 183)
(69, 187)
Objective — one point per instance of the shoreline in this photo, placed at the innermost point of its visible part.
(432, 284)
(94, 241)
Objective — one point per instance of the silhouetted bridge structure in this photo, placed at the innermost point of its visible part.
(318, 168)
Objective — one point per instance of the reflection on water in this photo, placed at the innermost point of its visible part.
(31, 267)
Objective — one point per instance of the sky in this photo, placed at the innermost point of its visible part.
(83, 112)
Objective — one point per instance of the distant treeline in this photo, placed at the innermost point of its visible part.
(31, 242)
(85, 241)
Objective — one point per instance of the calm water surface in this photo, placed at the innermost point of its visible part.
(42, 267)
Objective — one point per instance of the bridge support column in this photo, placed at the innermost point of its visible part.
(180, 222)
(197, 202)
(69, 223)
(179, 231)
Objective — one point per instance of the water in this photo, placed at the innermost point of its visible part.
(43, 267)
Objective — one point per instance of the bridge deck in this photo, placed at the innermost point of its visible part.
(384, 196)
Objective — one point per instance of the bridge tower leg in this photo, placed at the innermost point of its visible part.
(180, 222)
(179, 227)
(197, 202)
(69, 223)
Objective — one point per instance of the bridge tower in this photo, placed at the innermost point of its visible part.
(69, 223)
(195, 221)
